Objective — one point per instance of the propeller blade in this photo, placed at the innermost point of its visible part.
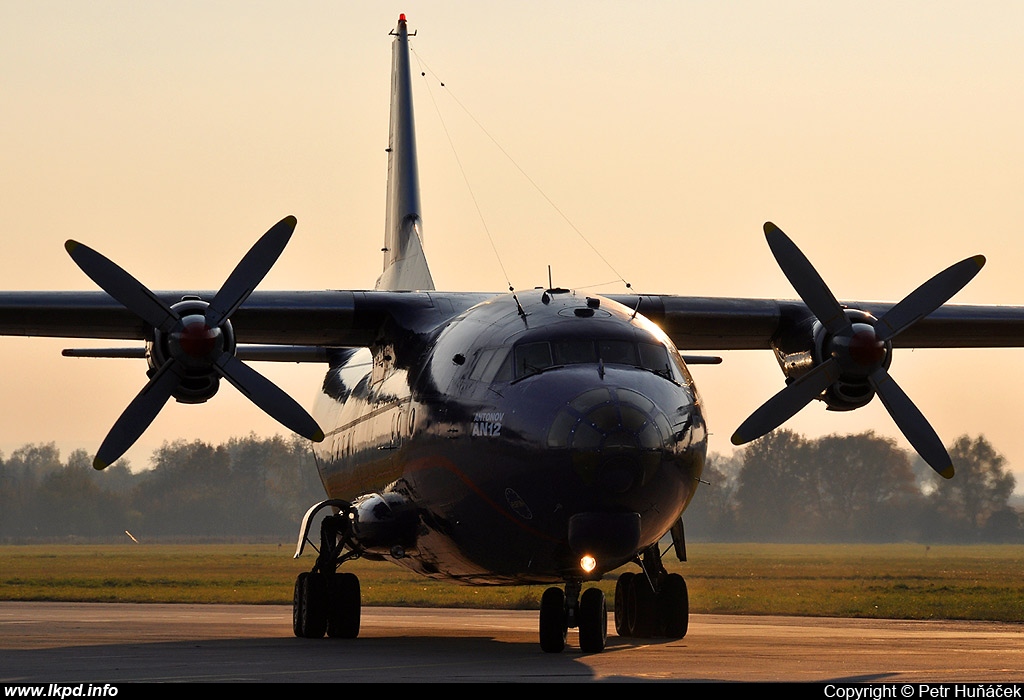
(912, 423)
(122, 286)
(928, 297)
(250, 271)
(139, 414)
(805, 280)
(268, 396)
(785, 404)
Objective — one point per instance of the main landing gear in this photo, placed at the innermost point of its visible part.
(327, 601)
(652, 603)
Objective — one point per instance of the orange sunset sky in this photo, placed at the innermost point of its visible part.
(884, 138)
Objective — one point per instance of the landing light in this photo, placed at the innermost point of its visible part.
(588, 563)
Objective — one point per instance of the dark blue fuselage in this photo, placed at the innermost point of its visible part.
(471, 446)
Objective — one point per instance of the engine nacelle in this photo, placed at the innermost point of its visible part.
(859, 351)
(196, 346)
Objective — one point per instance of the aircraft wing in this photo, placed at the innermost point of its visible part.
(354, 318)
(706, 323)
(296, 326)
(325, 318)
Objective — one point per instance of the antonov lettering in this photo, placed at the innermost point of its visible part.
(487, 423)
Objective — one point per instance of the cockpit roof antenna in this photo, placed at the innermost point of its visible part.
(639, 298)
(519, 306)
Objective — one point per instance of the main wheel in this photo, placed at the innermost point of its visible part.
(593, 621)
(309, 605)
(553, 623)
(674, 607)
(622, 603)
(641, 607)
(298, 604)
(343, 606)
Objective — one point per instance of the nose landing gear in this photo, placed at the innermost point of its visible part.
(651, 603)
(561, 610)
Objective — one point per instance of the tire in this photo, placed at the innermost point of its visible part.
(343, 606)
(298, 604)
(553, 623)
(674, 607)
(593, 621)
(622, 603)
(309, 606)
(641, 607)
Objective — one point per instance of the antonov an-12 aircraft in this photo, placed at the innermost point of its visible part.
(540, 437)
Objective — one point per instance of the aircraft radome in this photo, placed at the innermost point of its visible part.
(542, 437)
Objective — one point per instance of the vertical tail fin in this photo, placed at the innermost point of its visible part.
(405, 264)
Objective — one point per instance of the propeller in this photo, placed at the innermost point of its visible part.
(199, 340)
(858, 350)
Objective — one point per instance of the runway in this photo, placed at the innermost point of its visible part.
(122, 643)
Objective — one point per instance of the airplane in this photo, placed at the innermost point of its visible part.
(541, 437)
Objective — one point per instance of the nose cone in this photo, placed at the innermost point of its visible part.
(617, 437)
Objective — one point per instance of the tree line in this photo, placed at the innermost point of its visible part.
(249, 489)
(853, 488)
(781, 488)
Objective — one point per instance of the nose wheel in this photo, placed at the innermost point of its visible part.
(560, 610)
(554, 620)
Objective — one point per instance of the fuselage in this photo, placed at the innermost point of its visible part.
(468, 449)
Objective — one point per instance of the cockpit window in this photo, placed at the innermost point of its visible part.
(655, 358)
(617, 352)
(573, 352)
(531, 358)
(491, 365)
(659, 360)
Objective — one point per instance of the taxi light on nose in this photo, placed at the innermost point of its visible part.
(588, 563)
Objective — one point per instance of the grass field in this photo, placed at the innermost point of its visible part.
(903, 581)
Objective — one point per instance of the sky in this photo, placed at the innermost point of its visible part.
(640, 142)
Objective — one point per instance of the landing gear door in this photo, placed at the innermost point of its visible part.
(678, 540)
